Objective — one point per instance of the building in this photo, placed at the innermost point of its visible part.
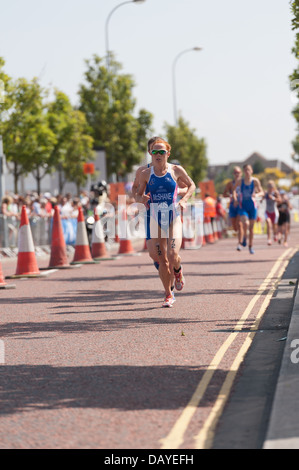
(254, 159)
(50, 182)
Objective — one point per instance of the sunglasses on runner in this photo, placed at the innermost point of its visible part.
(160, 152)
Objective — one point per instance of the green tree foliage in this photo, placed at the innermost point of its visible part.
(39, 135)
(6, 88)
(188, 149)
(107, 101)
(73, 144)
(79, 150)
(28, 141)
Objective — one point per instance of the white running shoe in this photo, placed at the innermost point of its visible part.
(179, 279)
(168, 302)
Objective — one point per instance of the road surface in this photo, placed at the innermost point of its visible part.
(93, 361)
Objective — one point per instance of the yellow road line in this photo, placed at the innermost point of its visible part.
(175, 438)
(205, 437)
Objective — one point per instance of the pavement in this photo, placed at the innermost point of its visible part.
(93, 361)
(283, 429)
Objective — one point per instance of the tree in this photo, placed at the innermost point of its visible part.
(107, 101)
(188, 149)
(59, 115)
(79, 150)
(73, 143)
(258, 167)
(41, 135)
(27, 139)
(6, 88)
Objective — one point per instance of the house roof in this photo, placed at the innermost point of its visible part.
(253, 158)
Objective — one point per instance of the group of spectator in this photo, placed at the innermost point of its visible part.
(43, 205)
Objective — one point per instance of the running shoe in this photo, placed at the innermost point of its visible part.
(239, 247)
(251, 250)
(179, 279)
(168, 302)
(244, 243)
(173, 297)
(156, 264)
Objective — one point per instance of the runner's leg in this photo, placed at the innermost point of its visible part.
(251, 225)
(152, 250)
(174, 244)
(164, 271)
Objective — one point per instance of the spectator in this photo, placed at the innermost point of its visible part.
(65, 208)
(6, 206)
(36, 206)
(28, 204)
(43, 209)
(209, 207)
(15, 205)
(48, 205)
(75, 208)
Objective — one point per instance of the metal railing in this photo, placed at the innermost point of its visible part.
(41, 229)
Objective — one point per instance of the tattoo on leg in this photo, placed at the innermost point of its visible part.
(173, 243)
(159, 250)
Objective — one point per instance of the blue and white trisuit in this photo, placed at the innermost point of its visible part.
(233, 210)
(163, 209)
(247, 205)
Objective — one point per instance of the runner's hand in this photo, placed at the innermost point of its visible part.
(182, 204)
(145, 199)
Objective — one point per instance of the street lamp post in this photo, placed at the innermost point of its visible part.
(107, 24)
(173, 79)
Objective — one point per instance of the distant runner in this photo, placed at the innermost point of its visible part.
(233, 206)
(284, 207)
(158, 189)
(272, 197)
(249, 189)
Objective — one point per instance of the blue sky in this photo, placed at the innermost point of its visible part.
(235, 92)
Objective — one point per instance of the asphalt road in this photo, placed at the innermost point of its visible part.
(93, 361)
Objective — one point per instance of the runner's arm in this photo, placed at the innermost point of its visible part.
(228, 189)
(182, 191)
(258, 188)
(136, 183)
(183, 177)
(140, 195)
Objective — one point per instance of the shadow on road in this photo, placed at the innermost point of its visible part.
(25, 388)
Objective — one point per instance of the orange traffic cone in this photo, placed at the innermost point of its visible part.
(200, 239)
(58, 257)
(3, 284)
(208, 231)
(116, 239)
(98, 247)
(82, 251)
(27, 265)
(125, 245)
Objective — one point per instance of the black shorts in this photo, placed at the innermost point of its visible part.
(284, 217)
